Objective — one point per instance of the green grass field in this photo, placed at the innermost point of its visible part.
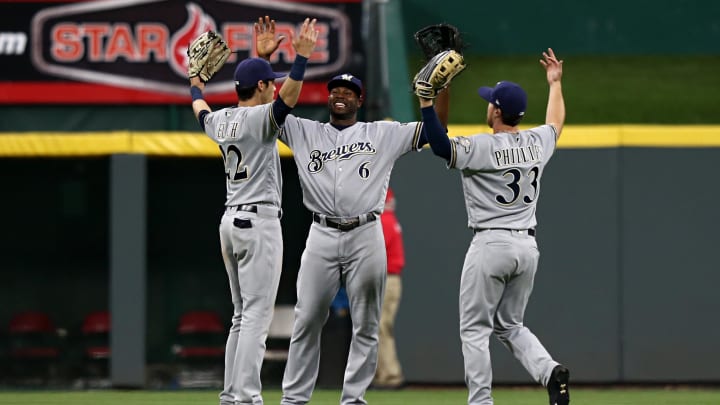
(503, 396)
(599, 89)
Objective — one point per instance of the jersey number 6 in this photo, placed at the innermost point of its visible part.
(364, 171)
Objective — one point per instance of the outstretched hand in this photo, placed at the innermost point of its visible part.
(265, 41)
(553, 66)
(304, 42)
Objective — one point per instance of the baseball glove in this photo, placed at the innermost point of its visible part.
(207, 55)
(436, 38)
(437, 73)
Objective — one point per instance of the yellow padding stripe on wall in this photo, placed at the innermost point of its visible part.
(55, 144)
(614, 136)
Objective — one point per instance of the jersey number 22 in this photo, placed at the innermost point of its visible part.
(240, 173)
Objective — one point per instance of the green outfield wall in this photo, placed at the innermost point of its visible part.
(608, 27)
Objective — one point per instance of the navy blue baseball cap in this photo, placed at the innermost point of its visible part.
(346, 80)
(251, 70)
(507, 96)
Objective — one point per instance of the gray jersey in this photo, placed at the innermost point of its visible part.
(501, 175)
(247, 137)
(345, 173)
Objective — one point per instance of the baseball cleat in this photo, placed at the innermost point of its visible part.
(558, 388)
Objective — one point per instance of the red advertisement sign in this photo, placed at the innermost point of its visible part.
(134, 51)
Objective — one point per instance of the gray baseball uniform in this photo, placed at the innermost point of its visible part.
(344, 175)
(250, 239)
(501, 182)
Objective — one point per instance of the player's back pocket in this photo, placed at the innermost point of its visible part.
(242, 223)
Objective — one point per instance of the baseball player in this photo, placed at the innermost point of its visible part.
(344, 168)
(501, 181)
(250, 235)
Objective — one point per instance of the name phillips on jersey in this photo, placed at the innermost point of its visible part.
(515, 156)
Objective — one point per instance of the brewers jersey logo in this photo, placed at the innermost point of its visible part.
(344, 152)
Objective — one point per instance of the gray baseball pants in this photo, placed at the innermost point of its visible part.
(496, 283)
(253, 261)
(331, 256)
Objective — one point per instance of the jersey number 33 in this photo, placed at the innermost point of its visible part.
(520, 185)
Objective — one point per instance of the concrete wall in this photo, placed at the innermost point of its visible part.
(625, 290)
(627, 272)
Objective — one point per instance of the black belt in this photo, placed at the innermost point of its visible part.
(530, 231)
(343, 224)
(251, 208)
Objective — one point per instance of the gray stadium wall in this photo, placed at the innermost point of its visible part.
(625, 291)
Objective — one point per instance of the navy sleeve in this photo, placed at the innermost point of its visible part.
(422, 139)
(201, 118)
(280, 110)
(435, 133)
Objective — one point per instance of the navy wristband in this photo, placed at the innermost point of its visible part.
(196, 93)
(297, 71)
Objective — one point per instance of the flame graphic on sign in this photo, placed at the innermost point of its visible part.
(197, 23)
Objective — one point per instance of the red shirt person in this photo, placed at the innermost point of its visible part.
(389, 373)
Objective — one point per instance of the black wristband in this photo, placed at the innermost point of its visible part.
(297, 71)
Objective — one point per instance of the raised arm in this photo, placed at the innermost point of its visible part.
(304, 44)
(442, 106)
(198, 104)
(207, 55)
(555, 114)
(433, 130)
(442, 109)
